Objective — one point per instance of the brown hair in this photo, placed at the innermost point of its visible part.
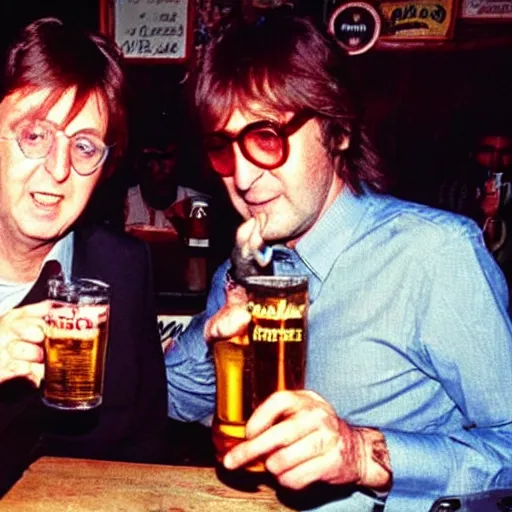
(49, 54)
(286, 64)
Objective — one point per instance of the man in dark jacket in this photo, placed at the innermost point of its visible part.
(62, 126)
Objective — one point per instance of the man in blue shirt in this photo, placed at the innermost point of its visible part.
(409, 360)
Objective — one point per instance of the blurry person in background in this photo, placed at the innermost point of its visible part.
(62, 129)
(409, 370)
(151, 201)
(156, 188)
(479, 184)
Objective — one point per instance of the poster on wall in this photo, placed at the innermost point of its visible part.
(417, 20)
(149, 30)
(486, 10)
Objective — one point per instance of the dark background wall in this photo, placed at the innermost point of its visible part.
(418, 101)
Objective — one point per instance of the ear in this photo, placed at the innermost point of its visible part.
(344, 142)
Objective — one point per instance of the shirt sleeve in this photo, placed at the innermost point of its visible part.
(189, 364)
(465, 342)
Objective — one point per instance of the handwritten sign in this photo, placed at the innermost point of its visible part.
(151, 29)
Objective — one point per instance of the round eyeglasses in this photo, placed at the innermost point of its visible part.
(263, 143)
(36, 138)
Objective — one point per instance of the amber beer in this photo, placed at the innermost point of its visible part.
(270, 357)
(277, 333)
(75, 345)
(233, 366)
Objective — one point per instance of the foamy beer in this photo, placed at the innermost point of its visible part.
(270, 357)
(76, 343)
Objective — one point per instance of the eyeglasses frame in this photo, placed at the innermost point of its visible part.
(56, 130)
(283, 130)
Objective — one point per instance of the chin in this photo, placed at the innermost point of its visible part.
(44, 235)
(276, 235)
(286, 234)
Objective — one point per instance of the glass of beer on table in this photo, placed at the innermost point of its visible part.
(269, 357)
(75, 343)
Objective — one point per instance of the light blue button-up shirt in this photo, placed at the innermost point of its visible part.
(408, 332)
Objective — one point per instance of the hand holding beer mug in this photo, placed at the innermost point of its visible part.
(270, 357)
(76, 343)
(21, 343)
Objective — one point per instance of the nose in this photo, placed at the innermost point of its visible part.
(58, 162)
(246, 173)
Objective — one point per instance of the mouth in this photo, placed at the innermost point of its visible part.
(260, 203)
(45, 199)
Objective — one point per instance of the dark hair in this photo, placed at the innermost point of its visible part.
(50, 54)
(285, 63)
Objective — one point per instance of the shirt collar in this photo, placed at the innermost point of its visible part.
(13, 294)
(62, 252)
(334, 232)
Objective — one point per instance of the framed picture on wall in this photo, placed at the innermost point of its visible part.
(150, 30)
(486, 10)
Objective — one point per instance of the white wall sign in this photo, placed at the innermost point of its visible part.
(150, 29)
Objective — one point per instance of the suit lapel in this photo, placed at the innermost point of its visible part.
(81, 267)
(38, 292)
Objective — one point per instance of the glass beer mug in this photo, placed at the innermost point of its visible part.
(75, 343)
(270, 357)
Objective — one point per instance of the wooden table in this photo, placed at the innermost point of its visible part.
(75, 485)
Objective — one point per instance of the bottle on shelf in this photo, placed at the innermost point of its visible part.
(197, 242)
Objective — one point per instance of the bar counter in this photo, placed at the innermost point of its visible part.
(61, 485)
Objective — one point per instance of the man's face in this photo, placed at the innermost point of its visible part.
(494, 152)
(293, 196)
(41, 198)
(158, 167)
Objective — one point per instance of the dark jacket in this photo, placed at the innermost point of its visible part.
(130, 424)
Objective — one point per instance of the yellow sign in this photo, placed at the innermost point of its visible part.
(417, 20)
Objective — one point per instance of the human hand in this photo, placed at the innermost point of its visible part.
(21, 343)
(246, 257)
(490, 204)
(249, 236)
(490, 200)
(233, 318)
(301, 440)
